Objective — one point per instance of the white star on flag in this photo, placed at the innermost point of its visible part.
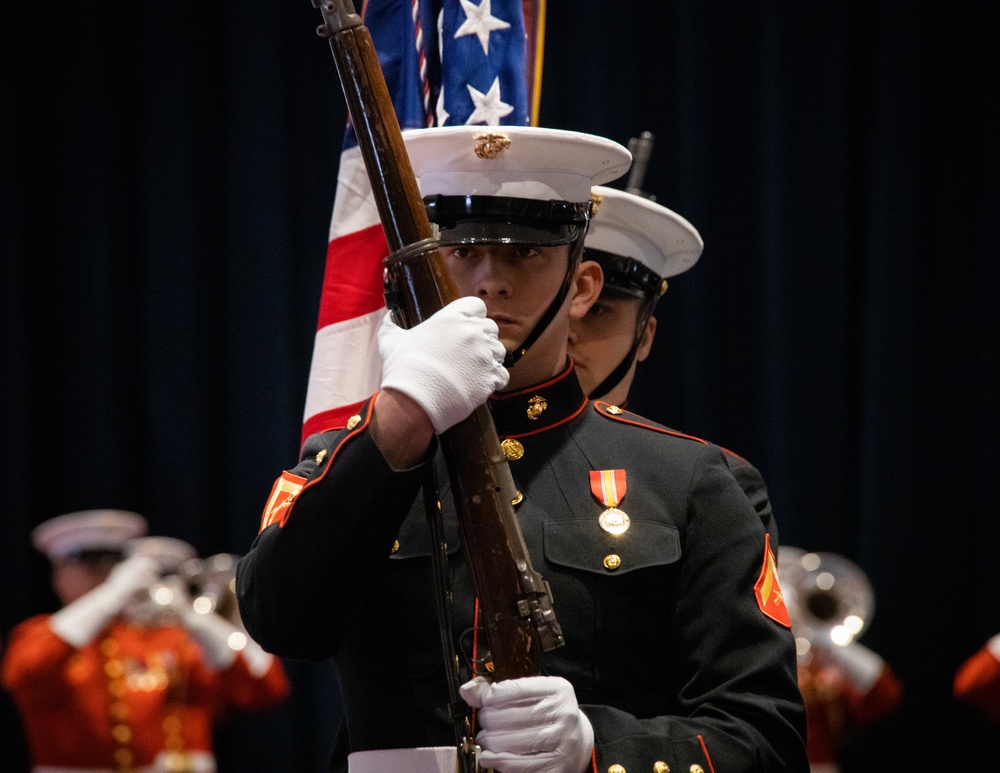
(489, 109)
(479, 21)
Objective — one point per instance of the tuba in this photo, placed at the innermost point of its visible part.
(829, 599)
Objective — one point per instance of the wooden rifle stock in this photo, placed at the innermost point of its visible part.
(515, 602)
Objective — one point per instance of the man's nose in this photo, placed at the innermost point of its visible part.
(490, 278)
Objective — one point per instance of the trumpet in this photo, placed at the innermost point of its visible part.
(212, 582)
(829, 598)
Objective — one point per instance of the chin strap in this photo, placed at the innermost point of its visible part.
(513, 355)
(614, 377)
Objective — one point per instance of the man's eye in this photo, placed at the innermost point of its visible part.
(460, 252)
(524, 251)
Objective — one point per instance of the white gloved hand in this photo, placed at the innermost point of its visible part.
(449, 364)
(860, 664)
(530, 725)
(217, 638)
(79, 622)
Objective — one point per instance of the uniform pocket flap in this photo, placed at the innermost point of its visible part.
(586, 546)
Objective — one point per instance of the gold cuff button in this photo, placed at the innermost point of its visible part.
(696, 769)
(612, 561)
(616, 768)
(395, 546)
(661, 767)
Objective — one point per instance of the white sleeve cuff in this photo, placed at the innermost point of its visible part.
(862, 666)
(993, 645)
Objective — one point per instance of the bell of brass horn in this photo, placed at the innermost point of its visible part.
(829, 598)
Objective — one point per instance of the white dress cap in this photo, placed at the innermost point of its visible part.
(73, 533)
(169, 552)
(635, 227)
(520, 161)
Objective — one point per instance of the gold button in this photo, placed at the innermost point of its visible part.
(395, 546)
(612, 561)
(321, 456)
(697, 769)
(661, 767)
(121, 733)
(114, 668)
(512, 449)
(354, 421)
(614, 410)
(616, 768)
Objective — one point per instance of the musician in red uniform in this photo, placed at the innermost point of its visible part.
(117, 680)
(846, 686)
(977, 681)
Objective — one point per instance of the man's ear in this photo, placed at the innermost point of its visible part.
(586, 289)
(646, 340)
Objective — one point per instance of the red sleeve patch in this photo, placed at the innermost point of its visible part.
(279, 504)
(770, 598)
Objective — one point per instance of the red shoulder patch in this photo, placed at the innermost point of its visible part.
(279, 504)
(767, 589)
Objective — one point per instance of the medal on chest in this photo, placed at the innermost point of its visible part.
(608, 486)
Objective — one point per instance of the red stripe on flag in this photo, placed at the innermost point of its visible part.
(352, 285)
(335, 418)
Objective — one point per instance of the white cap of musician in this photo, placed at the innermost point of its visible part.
(168, 552)
(84, 531)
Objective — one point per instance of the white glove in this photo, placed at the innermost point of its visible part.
(217, 638)
(861, 665)
(530, 725)
(449, 364)
(79, 622)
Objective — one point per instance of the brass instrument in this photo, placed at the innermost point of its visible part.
(829, 599)
(212, 583)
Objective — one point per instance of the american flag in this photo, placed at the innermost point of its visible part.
(446, 63)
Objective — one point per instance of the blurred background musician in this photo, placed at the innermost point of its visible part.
(846, 686)
(128, 675)
(977, 680)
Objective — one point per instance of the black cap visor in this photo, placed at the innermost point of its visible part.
(626, 275)
(507, 220)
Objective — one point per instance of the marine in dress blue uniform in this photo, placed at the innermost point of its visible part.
(640, 245)
(677, 648)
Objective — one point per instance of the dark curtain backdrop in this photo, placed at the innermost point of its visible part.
(168, 177)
